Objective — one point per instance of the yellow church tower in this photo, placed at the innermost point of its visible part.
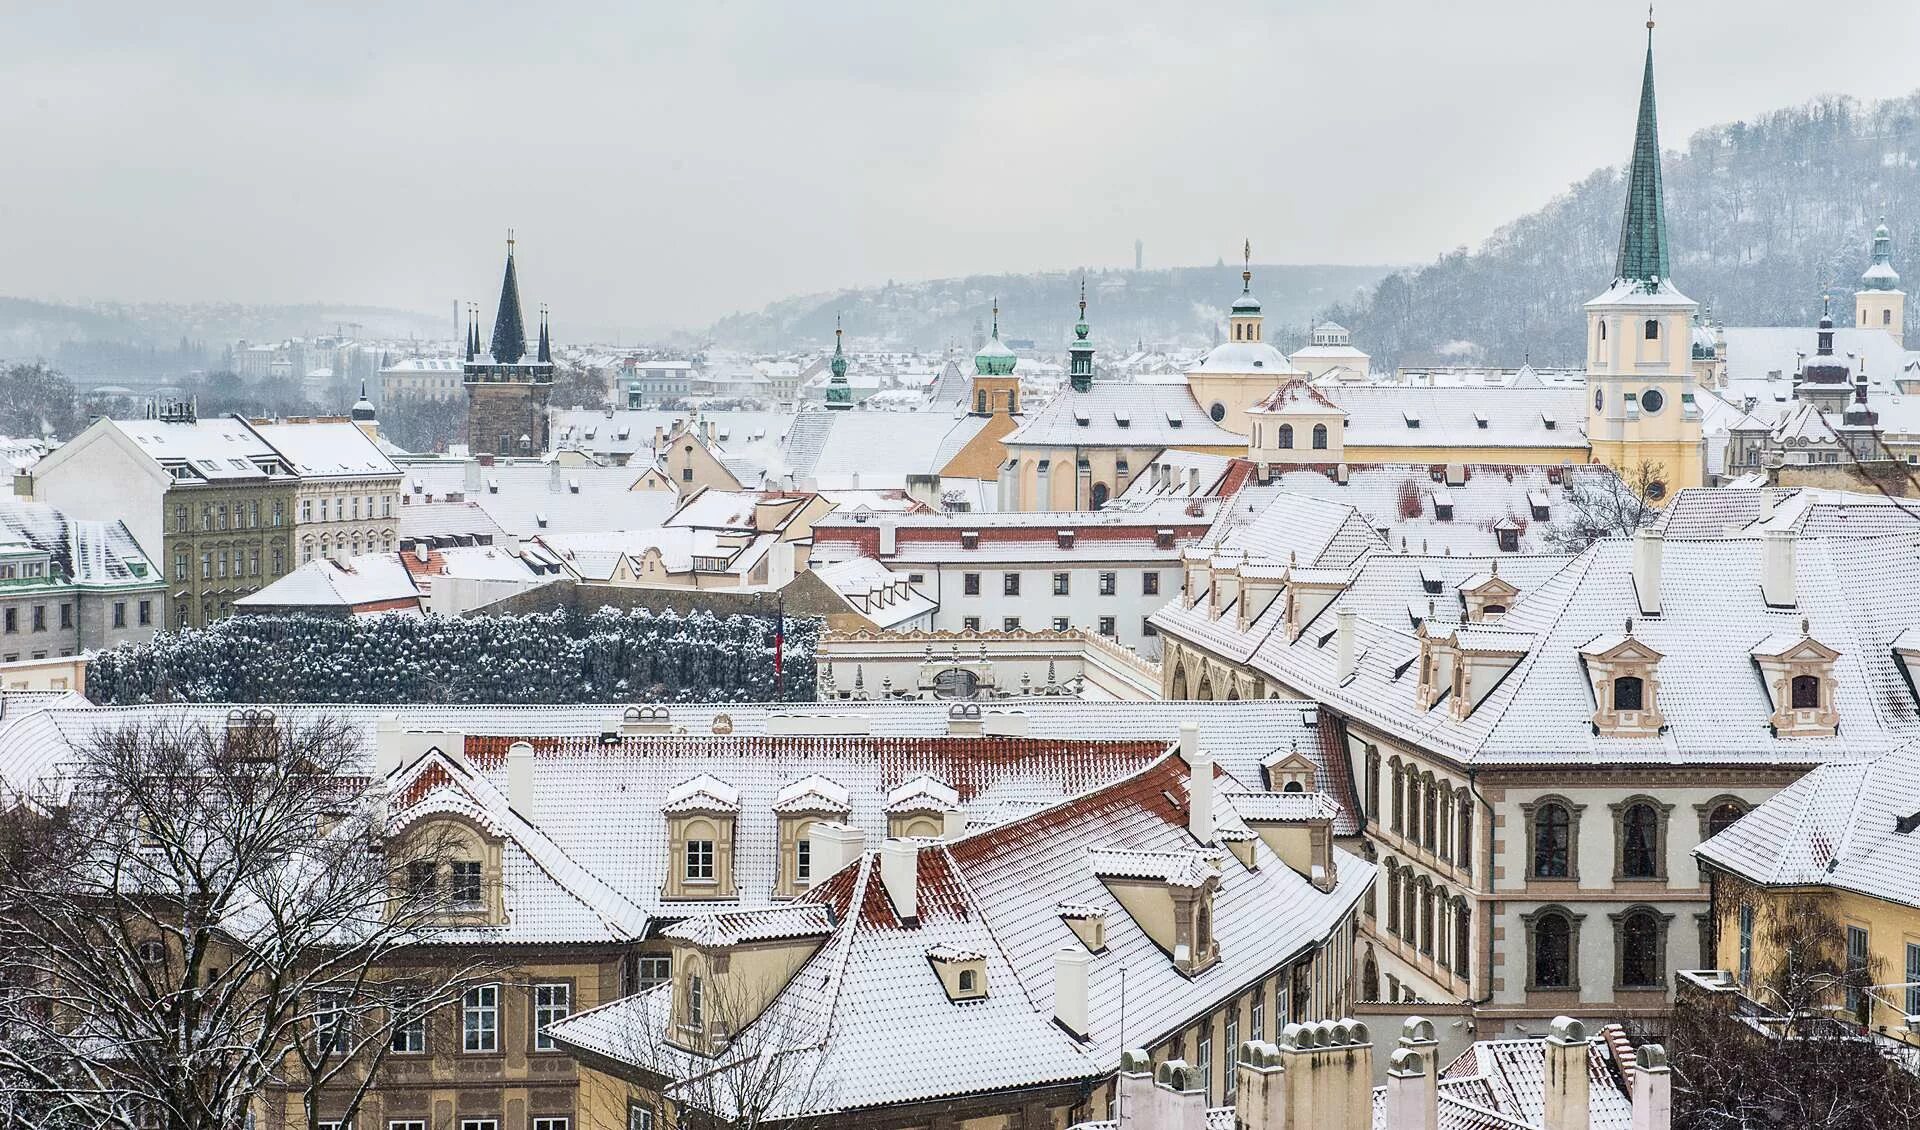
(1643, 420)
(1880, 303)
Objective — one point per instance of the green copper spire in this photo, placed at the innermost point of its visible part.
(1080, 353)
(1881, 275)
(839, 393)
(994, 359)
(1643, 233)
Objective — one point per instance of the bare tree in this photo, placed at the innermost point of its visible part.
(759, 1065)
(195, 917)
(1603, 504)
(1792, 1054)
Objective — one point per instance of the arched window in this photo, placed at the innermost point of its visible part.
(1369, 978)
(1463, 828)
(1319, 437)
(1373, 782)
(1393, 899)
(1806, 692)
(1409, 913)
(1603, 333)
(1552, 842)
(1206, 689)
(980, 402)
(1493, 609)
(1426, 916)
(1203, 927)
(1599, 397)
(1430, 810)
(1100, 495)
(1723, 816)
(1179, 683)
(1286, 436)
(1236, 331)
(1553, 950)
(968, 979)
(1642, 964)
(696, 1002)
(1462, 936)
(1233, 693)
(1628, 692)
(1292, 787)
(1653, 329)
(1399, 795)
(1640, 841)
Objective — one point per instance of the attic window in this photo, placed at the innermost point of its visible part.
(1080, 419)
(1123, 419)
(573, 484)
(1548, 421)
(969, 539)
(493, 485)
(1479, 420)
(1163, 539)
(962, 973)
(1413, 419)
(1064, 538)
(1174, 421)
(540, 519)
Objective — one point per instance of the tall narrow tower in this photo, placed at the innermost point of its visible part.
(996, 387)
(1880, 303)
(1080, 353)
(839, 392)
(507, 394)
(1643, 420)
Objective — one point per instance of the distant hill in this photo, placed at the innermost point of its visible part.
(1182, 305)
(1764, 215)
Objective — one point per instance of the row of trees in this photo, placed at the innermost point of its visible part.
(558, 657)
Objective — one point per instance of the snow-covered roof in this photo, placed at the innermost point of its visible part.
(369, 581)
(874, 591)
(1391, 416)
(90, 554)
(1123, 415)
(328, 449)
(1244, 357)
(529, 498)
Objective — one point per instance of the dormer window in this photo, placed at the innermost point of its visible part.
(701, 815)
(1797, 672)
(1629, 692)
(1622, 669)
(1806, 692)
(962, 972)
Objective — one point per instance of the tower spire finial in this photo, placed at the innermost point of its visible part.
(1246, 266)
(996, 317)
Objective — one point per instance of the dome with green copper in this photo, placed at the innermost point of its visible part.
(1881, 275)
(1080, 353)
(994, 358)
(839, 393)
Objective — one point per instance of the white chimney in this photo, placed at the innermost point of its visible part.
(1766, 503)
(1133, 1098)
(1200, 796)
(421, 552)
(1070, 967)
(1776, 569)
(1652, 1089)
(889, 537)
(900, 874)
(1189, 739)
(1412, 1099)
(1648, 549)
(1567, 1078)
(1180, 1093)
(1343, 643)
(835, 846)
(520, 778)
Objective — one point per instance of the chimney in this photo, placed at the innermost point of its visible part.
(1133, 1098)
(1649, 546)
(1070, 967)
(1766, 503)
(1343, 643)
(1180, 1093)
(1566, 1076)
(835, 846)
(889, 537)
(900, 874)
(659, 438)
(1193, 480)
(1652, 1089)
(1328, 1069)
(520, 778)
(1412, 1099)
(1199, 783)
(421, 552)
(1776, 569)
(1260, 1087)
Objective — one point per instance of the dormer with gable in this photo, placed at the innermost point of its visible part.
(1797, 671)
(798, 809)
(702, 814)
(1488, 594)
(1464, 664)
(1169, 895)
(1294, 424)
(456, 847)
(1297, 827)
(728, 967)
(1626, 687)
(1289, 771)
(1308, 593)
(924, 808)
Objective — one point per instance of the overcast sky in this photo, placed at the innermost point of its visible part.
(666, 164)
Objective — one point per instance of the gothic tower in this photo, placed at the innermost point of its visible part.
(1880, 303)
(1643, 420)
(507, 394)
(839, 392)
(1080, 353)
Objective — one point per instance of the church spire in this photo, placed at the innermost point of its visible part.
(509, 330)
(1643, 232)
(545, 356)
(1080, 353)
(839, 392)
(473, 332)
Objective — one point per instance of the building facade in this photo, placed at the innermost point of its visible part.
(348, 498)
(68, 587)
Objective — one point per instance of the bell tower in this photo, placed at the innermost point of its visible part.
(1642, 419)
(1880, 304)
(996, 387)
(507, 393)
(1080, 353)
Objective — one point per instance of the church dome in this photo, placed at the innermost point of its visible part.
(994, 358)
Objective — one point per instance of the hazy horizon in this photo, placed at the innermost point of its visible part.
(666, 166)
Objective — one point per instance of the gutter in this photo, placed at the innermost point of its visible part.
(1473, 786)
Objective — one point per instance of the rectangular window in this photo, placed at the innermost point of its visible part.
(1203, 1059)
(1109, 583)
(1233, 1041)
(1010, 584)
(551, 1004)
(1913, 979)
(700, 860)
(1108, 627)
(655, 970)
(1257, 1018)
(330, 1023)
(40, 617)
(406, 1124)
(970, 623)
(479, 1124)
(553, 1122)
(466, 882)
(409, 1019)
(696, 1002)
(1059, 623)
(1150, 584)
(180, 517)
(12, 620)
(639, 1118)
(970, 583)
(146, 613)
(1856, 967)
(1060, 583)
(803, 860)
(1746, 945)
(66, 614)
(119, 614)
(423, 879)
(182, 565)
(1147, 628)
(480, 1019)
(1010, 624)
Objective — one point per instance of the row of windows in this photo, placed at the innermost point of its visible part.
(1428, 811)
(1285, 437)
(480, 1021)
(1553, 948)
(1427, 917)
(223, 563)
(10, 617)
(1640, 836)
(344, 546)
(538, 1122)
(340, 508)
(1108, 625)
(217, 516)
(1062, 584)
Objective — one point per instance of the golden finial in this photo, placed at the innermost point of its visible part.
(1649, 17)
(1246, 265)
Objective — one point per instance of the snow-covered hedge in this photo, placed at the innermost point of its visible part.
(609, 656)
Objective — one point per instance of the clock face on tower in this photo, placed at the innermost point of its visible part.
(1651, 400)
